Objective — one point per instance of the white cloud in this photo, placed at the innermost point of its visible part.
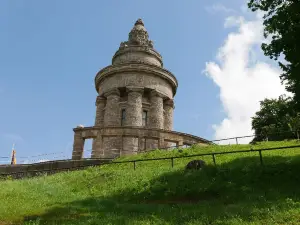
(43, 160)
(233, 21)
(242, 79)
(31, 161)
(217, 8)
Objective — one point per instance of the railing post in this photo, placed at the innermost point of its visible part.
(236, 141)
(260, 157)
(133, 165)
(214, 159)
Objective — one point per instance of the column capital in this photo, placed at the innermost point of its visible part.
(157, 94)
(113, 91)
(99, 100)
(134, 89)
(169, 102)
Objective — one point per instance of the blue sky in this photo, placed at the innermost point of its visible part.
(50, 52)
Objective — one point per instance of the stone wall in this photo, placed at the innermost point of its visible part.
(144, 76)
(137, 55)
(20, 170)
(134, 100)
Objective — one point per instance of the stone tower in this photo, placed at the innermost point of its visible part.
(135, 90)
(134, 106)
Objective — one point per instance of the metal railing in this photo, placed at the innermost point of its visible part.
(209, 154)
(65, 155)
(110, 162)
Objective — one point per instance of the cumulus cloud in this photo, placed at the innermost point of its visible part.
(243, 80)
(233, 21)
(217, 8)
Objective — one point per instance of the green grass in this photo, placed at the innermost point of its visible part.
(237, 191)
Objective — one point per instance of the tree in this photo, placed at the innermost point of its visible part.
(282, 25)
(294, 124)
(272, 122)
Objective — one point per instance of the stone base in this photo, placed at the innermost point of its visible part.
(112, 142)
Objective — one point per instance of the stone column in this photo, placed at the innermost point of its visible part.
(133, 118)
(168, 117)
(97, 147)
(100, 104)
(179, 143)
(156, 112)
(161, 143)
(112, 111)
(134, 106)
(78, 146)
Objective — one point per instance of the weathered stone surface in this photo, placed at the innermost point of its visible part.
(134, 106)
(195, 165)
(122, 79)
(78, 146)
(156, 113)
(98, 147)
(130, 146)
(100, 104)
(112, 146)
(151, 143)
(111, 142)
(140, 55)
(168, 115)
(112, 111)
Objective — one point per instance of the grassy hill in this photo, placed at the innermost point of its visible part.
(238, 191)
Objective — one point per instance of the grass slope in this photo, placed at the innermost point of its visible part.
(237, 191)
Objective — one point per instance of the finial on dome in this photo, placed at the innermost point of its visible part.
(139, 22)
(138, 36)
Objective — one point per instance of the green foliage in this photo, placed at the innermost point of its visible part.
(238, 191)
(275, 120)
(294, 124)
(282, 25)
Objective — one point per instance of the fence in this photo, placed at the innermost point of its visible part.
(265, 137)
(67, 155)
(209, 154)
(110, 162)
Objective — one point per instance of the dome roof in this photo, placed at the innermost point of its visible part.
(138, 48)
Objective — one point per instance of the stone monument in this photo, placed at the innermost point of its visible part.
(135, 103)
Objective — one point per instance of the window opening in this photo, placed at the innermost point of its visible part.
(123, 116)
(145, 117)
